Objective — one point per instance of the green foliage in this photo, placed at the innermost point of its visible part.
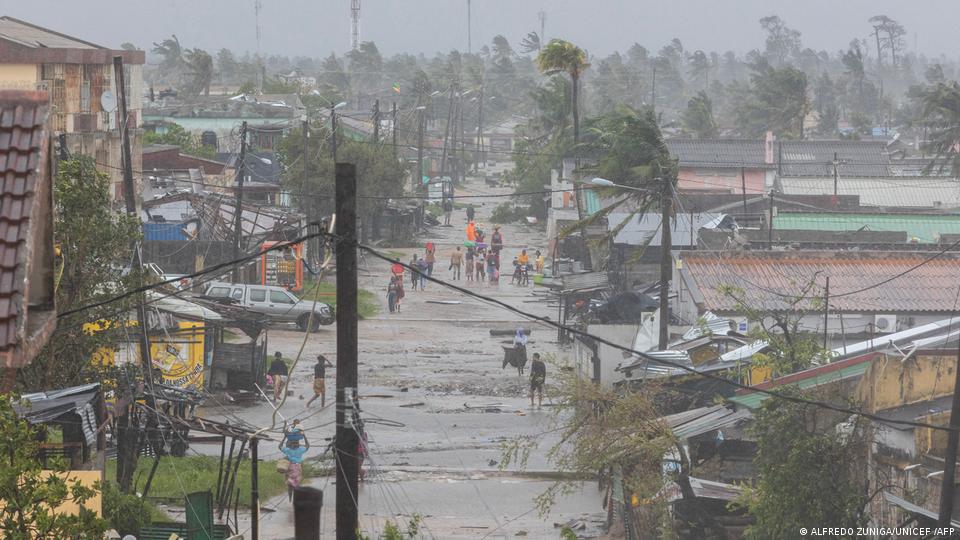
(369, 304)
(508, 213)
(392, 531)
(777, 101)
(809, 470)
(28, 496)
(176, 135)
(125, 513)
(598, 428)
(698, 117)
(95, 242)
(200, 66)
(941, 112)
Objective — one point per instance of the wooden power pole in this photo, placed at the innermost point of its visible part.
(346, 440)
(127, 456)
(666, 260)
(238, 202)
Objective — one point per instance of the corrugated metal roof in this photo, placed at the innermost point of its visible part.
(695, 422)
(914, 509)
(815, 158)
(709, 323)
(645, 229)
(584, 280)
(808, 379)
(744, 353)
(901, 339)
(924, 228)
(882, 191)
(704, 489)
(719, 153)
(31, 35)
(895, 282)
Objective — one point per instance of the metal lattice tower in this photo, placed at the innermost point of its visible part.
(256, 12)
(355, 24)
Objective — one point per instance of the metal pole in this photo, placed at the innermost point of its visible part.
(743, 188)
(826, 311)
(333, 132)
(480, 134)
(950, 459)
(376, 121)
(418, 176)
(394, 130)
(346, 440)
(770, 224)
(666, 258)
(836, 176)
(254, 492)
(238, 202)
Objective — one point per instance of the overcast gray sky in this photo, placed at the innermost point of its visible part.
(316, 27)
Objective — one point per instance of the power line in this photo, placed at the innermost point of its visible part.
(688, 369)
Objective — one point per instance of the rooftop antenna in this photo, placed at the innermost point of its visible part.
(355, 24)
(256, 12)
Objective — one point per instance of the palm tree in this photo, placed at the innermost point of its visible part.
(172, 54)
(941, 112)
(562, 56)
(201, 69)
(531, 43)
(698, 117)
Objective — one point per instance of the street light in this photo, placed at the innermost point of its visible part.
(333, 127)
(603, 182)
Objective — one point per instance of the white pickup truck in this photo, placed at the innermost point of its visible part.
(277, 303)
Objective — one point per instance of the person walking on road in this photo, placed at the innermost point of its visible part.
(423, 269)
(430, 258)
(320, 380)
(480, 265)
(278, 371)
(414, 271)
(447, 210)
(538, 263)
(468, 259)
(294, 452)
(496, 244)
(470, 213)
(456, 260)
(538, 376)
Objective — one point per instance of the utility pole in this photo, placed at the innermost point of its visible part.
(446, 131)
(463, 146)
(376, 121)
(254, 491)
(948, 487)
(836, 174)
(743, 188)
(480, 134)
(394, 125)
(238, 207)
(128, 455)
(469, 31)
(346, 436)
(314, 243)
(333, 131)
(770, 223)
(542, 15)
(418, 176)
(826, 311)
(653, 91)
(666, 260)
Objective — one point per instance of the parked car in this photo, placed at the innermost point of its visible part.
(277, 303)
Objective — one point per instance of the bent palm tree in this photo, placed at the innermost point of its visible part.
(561, 56)
(941, 112)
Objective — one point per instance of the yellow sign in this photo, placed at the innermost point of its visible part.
(178, 354)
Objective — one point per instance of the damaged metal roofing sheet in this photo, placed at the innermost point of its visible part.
(689, 424)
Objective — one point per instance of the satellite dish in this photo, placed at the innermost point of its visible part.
(108, 101)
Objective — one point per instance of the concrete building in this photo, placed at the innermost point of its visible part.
(76, 74)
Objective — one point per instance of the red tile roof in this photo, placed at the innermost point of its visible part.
(894, 281)
(23, 142)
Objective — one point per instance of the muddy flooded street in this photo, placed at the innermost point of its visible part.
(437, 403)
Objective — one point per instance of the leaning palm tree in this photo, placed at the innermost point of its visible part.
(941, 112)
(562, 56)
(201, 70)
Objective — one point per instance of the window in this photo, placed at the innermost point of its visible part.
(219, 292)
(280, 297)
(258, 295)
(238, 293)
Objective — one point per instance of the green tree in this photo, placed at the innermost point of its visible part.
(777, 101)
(782, 41)
(227, 65)
(175, 134)
(171, 52)
(95, 244)
(561, 56)
(698, 117)
(200, 64)
(700, 69)
(531, 42)
(941, 113)
(809, 469)
(29, 496)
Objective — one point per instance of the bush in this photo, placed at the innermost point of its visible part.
(127, 514)
(508, 213)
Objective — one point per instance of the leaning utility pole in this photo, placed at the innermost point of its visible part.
(418, 176)
(376, 121)
(238, 206)
(446, 132)
(666, 258)
(313, 243)
(394, 126)
(950, 459)
(128, 456)
(346, 439)
(480, 134)
(463, 146)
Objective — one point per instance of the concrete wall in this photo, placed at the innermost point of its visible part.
(610, 358)
(890, 382)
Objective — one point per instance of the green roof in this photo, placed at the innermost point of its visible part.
(754, 400)
(926, 229)
(591, 202)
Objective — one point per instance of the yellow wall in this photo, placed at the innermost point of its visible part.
(88, 479)
(890, 382)
(18, 76)
(178, 353)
